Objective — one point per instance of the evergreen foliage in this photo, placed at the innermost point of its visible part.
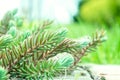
(3, 74)
(30, 54)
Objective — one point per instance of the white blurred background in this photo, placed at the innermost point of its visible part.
(61, 11)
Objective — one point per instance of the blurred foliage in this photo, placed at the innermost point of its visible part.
(10, 21)
(99, 11)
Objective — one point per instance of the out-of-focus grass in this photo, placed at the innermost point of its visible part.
(109, 52)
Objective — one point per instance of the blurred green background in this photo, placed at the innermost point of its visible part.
(95, 15)
(81, 17)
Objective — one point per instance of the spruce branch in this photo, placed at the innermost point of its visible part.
(42, 27)
(3, 74)
(40, 41)
(5, 41)
(26, 55)
(42, 70)
(98, 38)
(7, 21)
